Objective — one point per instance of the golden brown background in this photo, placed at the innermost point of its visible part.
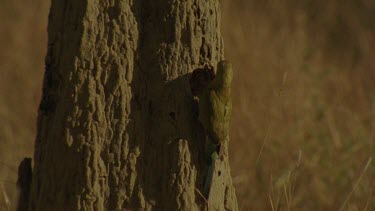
(304, 103)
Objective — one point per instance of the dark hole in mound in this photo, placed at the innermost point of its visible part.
(173, 115)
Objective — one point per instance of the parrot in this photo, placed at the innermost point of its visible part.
(215, 106)
(215, 109)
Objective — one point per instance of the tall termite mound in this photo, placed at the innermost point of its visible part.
(117, 124)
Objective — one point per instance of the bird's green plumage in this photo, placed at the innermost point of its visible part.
(215, 110)
(215, 105)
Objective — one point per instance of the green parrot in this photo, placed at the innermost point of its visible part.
(215, 109)
(215, 106)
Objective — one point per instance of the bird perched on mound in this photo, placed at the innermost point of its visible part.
(215, 105)
(215, 109)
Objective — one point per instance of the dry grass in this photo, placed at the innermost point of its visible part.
(23, 43)
(303, 122)
(303, 91)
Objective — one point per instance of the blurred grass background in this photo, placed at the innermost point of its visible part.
(304, 103)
